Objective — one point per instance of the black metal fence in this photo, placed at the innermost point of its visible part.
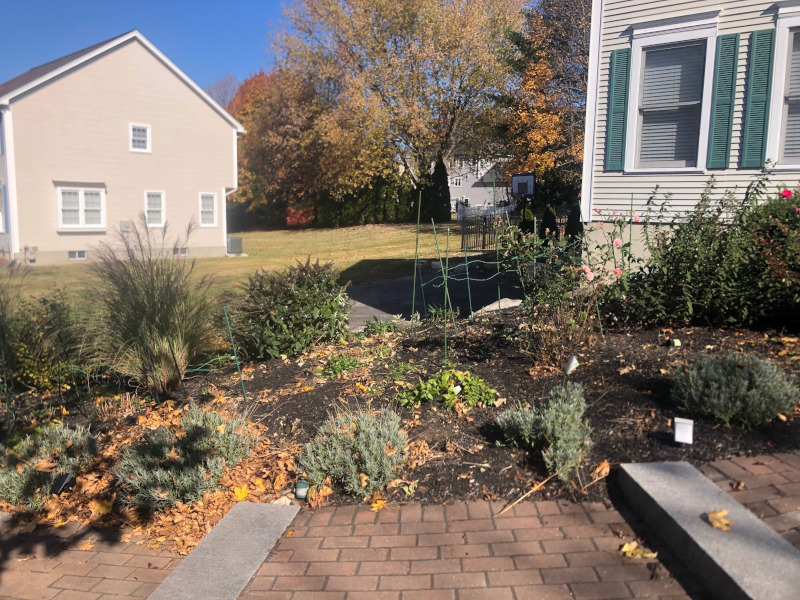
(478, 233)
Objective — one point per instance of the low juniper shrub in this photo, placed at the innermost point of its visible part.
(449, 386)
(285, 313)
(736, 389)
(557, 427)
(360, 451)
(28, 470)
(168, 466)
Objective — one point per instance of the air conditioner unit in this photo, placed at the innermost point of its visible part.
(234, 245)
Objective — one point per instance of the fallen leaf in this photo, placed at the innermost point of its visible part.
(101, 507)
(221, 428)
(378, 505)
(500, 402)
(282, 501)
(634, 550)
(783, 417)
(86, 546)
(64, 412)
(718, 520)
(738, 485)
(240, 492)
(289, 533)
(362, 387)
(626, 370)
(602, 470)
(280, 482)
(260, 484)
(363, 478)
(46, 465)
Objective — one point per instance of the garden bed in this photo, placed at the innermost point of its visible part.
(453, 455)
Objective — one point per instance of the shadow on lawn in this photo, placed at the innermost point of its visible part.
(380, 285)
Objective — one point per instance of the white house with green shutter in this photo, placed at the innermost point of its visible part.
(684, 90)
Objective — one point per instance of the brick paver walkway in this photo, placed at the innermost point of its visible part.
(78, 563)
(540, 550)
(768, 485)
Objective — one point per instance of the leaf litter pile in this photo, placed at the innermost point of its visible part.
(452, 455)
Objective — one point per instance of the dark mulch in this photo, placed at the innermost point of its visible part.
(626, 375)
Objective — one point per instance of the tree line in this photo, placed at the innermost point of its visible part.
(366, 102)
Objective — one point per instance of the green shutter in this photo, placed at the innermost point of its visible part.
(616, 125)
(721, 128)
(759, 89)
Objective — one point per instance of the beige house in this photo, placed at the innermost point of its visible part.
(681, 91)
(93, 140)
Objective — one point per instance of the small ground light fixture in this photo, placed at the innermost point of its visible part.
(571, 364)
(684, 430)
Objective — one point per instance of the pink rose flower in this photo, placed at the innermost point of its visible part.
(597, 210)
(797, 210)
(586, 268)
(617, 271)
(618, 242)
(786, 193)
(637, 218)
(589, 275)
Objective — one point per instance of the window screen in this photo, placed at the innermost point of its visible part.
(791, 136)
(672, 93)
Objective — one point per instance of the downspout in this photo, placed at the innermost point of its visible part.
(11, 180)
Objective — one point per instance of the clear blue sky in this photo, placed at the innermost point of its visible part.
(205, 38)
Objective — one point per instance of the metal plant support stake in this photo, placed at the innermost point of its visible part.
(416, 266)
(150, 362)
(235, 354)
(469, 290)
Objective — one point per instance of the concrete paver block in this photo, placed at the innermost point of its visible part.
(225, 561)
(749, 562)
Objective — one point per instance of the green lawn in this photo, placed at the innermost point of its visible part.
(363, 253)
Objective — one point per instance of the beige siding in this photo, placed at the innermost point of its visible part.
(76, 128)
(616, 191)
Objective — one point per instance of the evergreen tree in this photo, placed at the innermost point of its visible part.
(440, 192)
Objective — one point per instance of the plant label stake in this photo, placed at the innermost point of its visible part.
(684, 430)
(571, 364)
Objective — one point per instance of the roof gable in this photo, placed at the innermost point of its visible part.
(40, 75)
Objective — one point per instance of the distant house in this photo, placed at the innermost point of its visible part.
(478, 183)
(90, 141)
(681, 91)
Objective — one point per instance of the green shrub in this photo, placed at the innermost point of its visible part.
(354, 444)
(338, 364)
(447, 386)
(560, 296)
(731, 261)
(285, 313)
(54, 450)
(156, 317)
(557, 427)
(166, 467)
(735, 388)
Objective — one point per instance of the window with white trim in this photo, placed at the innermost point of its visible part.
(140, 138)
(669, 106)
(77, 255)
(455, 182)
(81, 209)
(790, 144)
(208, 210)
(154, 208)
(671, 82)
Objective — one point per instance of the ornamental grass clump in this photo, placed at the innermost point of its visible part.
(736, 389)
(285, 313)
(558, 427)
(167, 466)
(156, 318)
(360, 451)
(28, 470)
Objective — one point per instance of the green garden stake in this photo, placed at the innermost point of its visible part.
(447, 270)
(469, 290)
(150, 362)
(416, 267)
(235, 354)
(497, 262)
